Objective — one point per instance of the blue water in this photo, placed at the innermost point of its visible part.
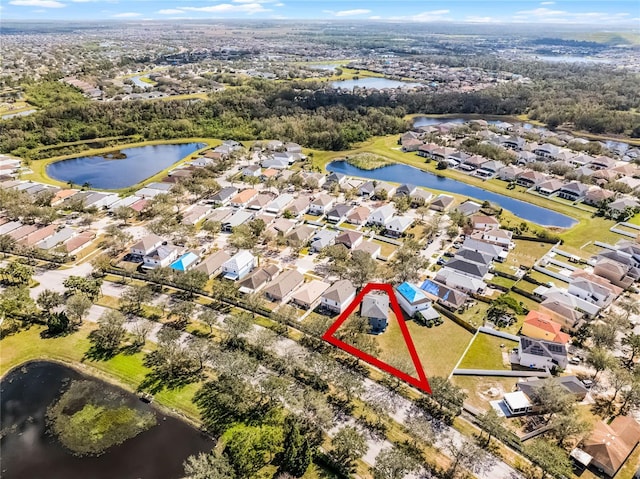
(110, 174)
(431, 120)
(409, 174)
(375, 82)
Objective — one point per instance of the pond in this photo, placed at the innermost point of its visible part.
(29, 452)
(373, 83)
(409, 174)
(120, 168)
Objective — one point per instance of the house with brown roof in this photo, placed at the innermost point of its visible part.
(299, 206)
(35, 237)
(549, 187)
(609, 445)
(260, 201)
(483, 222)
(596, 196)
(282, 286)
(321, 204)
(359, 215)
(308, 295)
(369, 247)
(77, 243)
(350, 239)
(212, 265)
(243, 198)
(617, 273)
(530, 178)
(442, 203)
(302, 233)
(258, 278)
(338, 296)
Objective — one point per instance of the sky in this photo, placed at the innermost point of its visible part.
(601, 12)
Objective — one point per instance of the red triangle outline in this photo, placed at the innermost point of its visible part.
(421, 382)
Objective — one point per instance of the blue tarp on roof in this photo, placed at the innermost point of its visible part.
(430, 287)
(184, 261)
(410, 292)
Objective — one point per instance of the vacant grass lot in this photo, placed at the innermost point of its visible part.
(477, 388)
(485, 353)
(438, 347)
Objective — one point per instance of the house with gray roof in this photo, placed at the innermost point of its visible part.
(397, 226)
(338, 213)
(381, 216)
(279, 204)
(282, 286)
(224, 196)
(477, 257)
(62, 235)
(338, 296)
(467, 268)
(448, 297)
(573, 191)
(540, 354)
(321, 239)
(375, 307)
(465, 283)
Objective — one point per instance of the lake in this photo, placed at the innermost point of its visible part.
(408, 174)
(104, 172)
(29, 452)
(373, 83)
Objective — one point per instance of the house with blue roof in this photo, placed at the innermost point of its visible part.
(412, 299)
(185, 262)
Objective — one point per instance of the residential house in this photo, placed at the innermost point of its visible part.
(546, 151)
(397, 226)
(338, 296)
(420, 197)
(282, 226)
(302, 234)
(517, 403)
(369, 247)
(260, 201)
(623, 205)
(530, 178)
(224, 196)
(321, 204)
(468, 207)
(35, 237)
(484, 223)
(239, 265)
(510, 173)
(464, 283)
(442, 203)
(549, 187)
(610, 445)
(476, 257)
(359, 215)
(448, 297)
(321, 239)
(195, 214)
(257, 279)
(185, 262)
(513, 142)
(406, 190)
(541, 354)
(489, 169)
(573, 191)
(367, 188)
(299, 207)
(615, 272)
(526, 157)
(569, 384)
(383, 190)
(212, 265)
(75, 244)
(236, 219)
(338, 213)
(269, 173)
(251, 171)
(279, 204)
(350, 239)
(590, 291)
(410, 145)
(9, 227)
(538, 325)
(597, 196)
(412, 300)
(146, 245)
(472, 163)
(281, 287)
(496, 236)
(334, 179)
(602, 163)
(467, 268)
(375, 307)
(242, 199)
(382, 215)
(496, 252)
(161, 257)
(22, 231)
(309, 294)
(60, 236)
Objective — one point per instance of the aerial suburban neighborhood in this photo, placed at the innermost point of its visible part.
(242, 249)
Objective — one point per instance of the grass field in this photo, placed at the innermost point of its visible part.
(439, 347)
(485, 353)
(477, 388)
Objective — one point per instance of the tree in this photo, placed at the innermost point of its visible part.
(599, 359)
(101, 264)
(250, 448)
(466, 456)
(110, 332)
(629, 306)
(407, 262)
(116, 239)
(209, 317)
(618, 379)
(235, 325)
(208, 466)
(347, 445)
(90, 287)
(134, 298)
(394, 463)
(242, 237)
(200, 350)
(140, 330)
(492, 424)
(191, 281)
(183, 311)
(77, 306)
(212, 228)
(603, 335)
(297, 451)
(447, 394)
(551, 399)
(361, 268)
(632, 343)
(254, 302)
(123, 213)
(48, 300)
(551, 459)
(16, 274)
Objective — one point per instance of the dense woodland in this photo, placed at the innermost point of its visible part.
(317, 116)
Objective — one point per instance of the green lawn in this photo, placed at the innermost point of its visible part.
(486, 353)
(438, 347)
(475, 314)
(502, 281)
(477, 388)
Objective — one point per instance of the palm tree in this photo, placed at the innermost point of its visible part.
(630, 307)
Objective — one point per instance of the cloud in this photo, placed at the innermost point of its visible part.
(349, 13)
(478, 19)
(127, 15)
(375, 17)
(546, 15)
(428, 16)
(37, 3)
(547, 3)
(248, 8)
(171, 11)
(541, 12)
